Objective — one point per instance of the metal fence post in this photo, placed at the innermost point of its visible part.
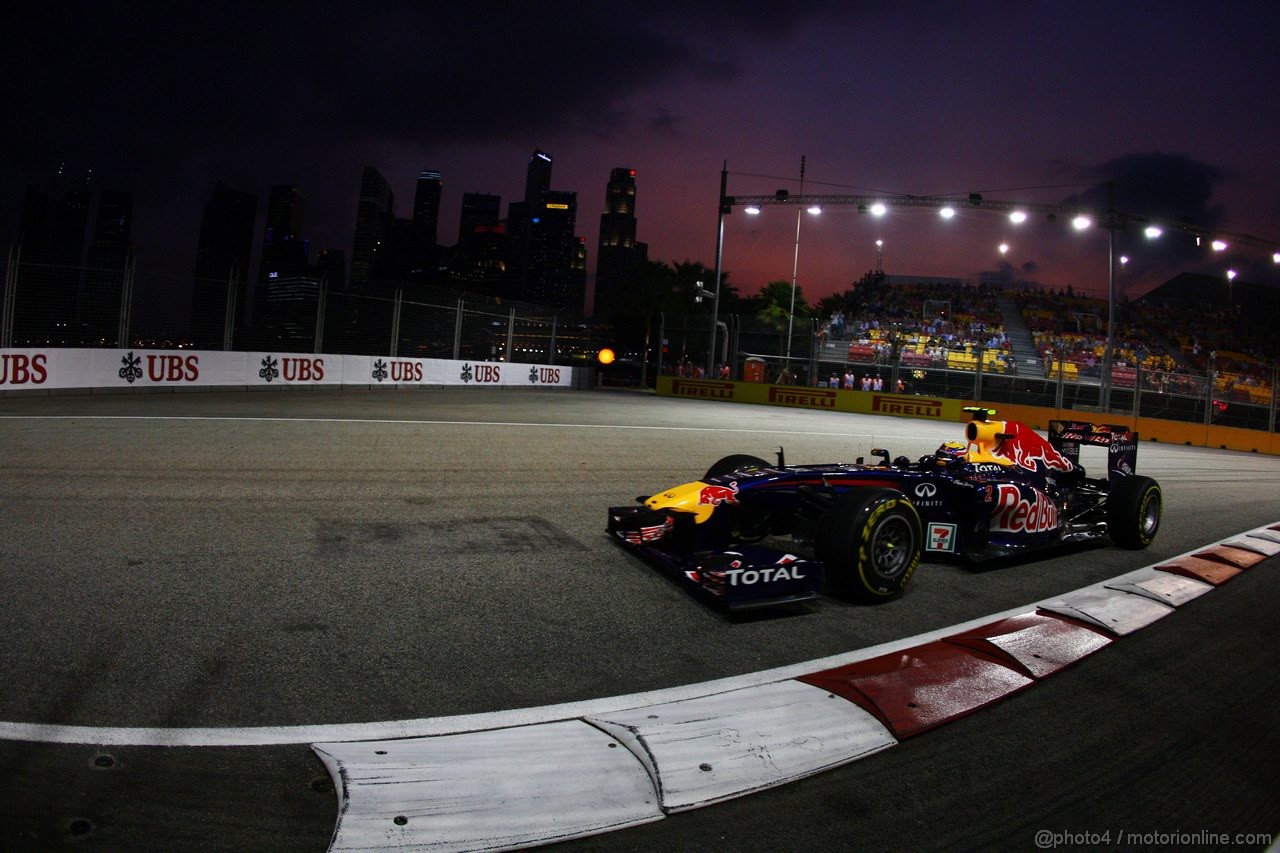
(457, 331)
(1208, 398)
(895, 359)
(662, 338)
(813, 352)
(126, 303)
(10, 296)
(1137, 390)
(511, 332)
(395, 322)
(229, 320)
(1275, 396)
(977, 379)
(737, 346)
(324, 295)
(1062, 366)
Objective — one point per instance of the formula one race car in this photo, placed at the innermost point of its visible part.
(865, 526)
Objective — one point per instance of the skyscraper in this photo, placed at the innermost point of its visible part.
(375, 213)
(618, 251)
(426, 206)
(222, 265)
(555, 274)
(545, 261)
(284, 251)
(537, 177)
(108, 261)
(479, 259)
(289, 285)
(480, 212)
(51, 240)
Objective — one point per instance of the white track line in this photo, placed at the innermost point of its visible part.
(396, 729)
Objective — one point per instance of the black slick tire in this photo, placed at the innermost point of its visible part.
(735, 462)
(870, 544)
(1133, 511)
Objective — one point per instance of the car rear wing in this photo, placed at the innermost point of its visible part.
(1120, 441)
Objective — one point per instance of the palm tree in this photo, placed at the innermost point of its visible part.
(774, 304)
(651, 287)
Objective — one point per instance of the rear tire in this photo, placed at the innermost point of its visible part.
(870, 544)
(1133, 511)
(736, 462)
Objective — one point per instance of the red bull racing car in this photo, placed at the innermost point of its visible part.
(860, 529)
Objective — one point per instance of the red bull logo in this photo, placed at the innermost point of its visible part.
(716, 495)
(1025, 447)
(1013, 513)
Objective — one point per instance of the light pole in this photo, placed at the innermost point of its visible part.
(795, 268)
(1109, 353)
(878, 205)
(725, 204)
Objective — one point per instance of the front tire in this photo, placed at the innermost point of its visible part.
(735, 462)
(1133, 511)
(870, 544)
(749, 525)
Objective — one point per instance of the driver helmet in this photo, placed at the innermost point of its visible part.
(951, 451)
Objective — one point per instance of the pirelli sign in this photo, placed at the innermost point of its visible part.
(913, 407)
(808, 398)
(702, 389)
(820, 399)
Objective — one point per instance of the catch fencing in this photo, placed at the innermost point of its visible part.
(49, 305)
(747, 348)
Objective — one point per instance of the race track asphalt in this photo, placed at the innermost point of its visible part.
(240, 559)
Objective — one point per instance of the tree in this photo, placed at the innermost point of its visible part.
(773, 304)
(829, 305)
(689, 273)
(650, 287)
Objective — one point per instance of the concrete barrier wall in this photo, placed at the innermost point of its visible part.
(941, 409)
(52, 369)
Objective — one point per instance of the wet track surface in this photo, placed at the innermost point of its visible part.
(285, 559)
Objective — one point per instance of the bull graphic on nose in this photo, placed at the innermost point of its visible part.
(716, 495)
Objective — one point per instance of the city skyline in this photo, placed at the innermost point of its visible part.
(1162, 98)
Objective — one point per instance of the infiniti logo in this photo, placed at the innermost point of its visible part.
(926, 490)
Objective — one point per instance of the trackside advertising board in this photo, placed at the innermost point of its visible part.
(824, 399)
(40, 369)
(939, 409)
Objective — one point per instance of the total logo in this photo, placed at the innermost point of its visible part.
(926, 495)
(764, 574)
(1013, 513)
(786, 569)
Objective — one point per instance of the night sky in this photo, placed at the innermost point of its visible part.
(1176, 102)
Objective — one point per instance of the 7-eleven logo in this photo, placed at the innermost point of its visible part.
(942, 537)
